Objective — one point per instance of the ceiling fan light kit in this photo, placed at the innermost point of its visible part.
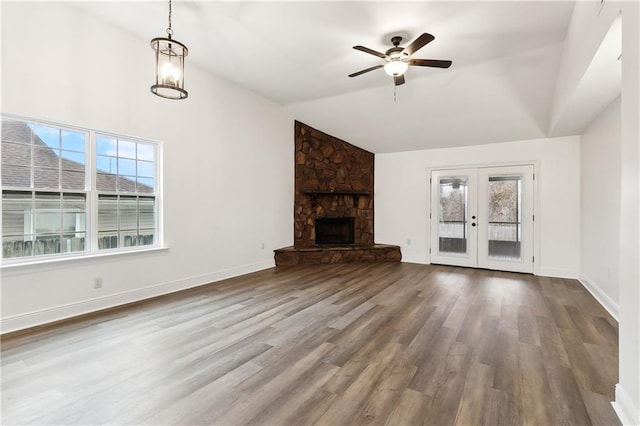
(395, 67)
(398, 59)
(169, 55)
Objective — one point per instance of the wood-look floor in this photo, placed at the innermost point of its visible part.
(397, 344)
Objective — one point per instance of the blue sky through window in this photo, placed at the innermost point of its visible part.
(73, 141)
(49, 135)
(129, 159)
(68, 144)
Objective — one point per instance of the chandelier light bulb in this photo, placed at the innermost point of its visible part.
(170, 74)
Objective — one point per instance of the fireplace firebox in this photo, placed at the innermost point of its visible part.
(335, 230)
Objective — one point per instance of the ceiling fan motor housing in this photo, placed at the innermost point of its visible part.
(395, 53)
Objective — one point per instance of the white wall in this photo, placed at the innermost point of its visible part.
(600, 206)
(228, 161)
(628, 389)
(402, 196)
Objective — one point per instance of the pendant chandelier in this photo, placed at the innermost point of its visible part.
(170, 56)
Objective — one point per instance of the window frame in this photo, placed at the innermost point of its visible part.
(91, 249)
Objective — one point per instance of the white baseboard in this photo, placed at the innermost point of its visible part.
(603, 298)
(545, 272)
(56, 313)
(415, 259)
(558, 273)
(625, 408)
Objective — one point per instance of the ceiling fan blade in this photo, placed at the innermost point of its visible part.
(398, 80)
(367, 70)
(418, 43)
(436, 63)
(370, 51)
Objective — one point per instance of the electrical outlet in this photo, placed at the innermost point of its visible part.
(262, 246)
(97, 283)
(408, 241)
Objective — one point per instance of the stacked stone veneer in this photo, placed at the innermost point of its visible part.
(332, 179)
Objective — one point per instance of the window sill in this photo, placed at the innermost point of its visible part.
(6, 265)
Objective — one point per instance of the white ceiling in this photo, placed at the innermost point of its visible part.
(298, 53)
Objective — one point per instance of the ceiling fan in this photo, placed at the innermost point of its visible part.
(398, 59)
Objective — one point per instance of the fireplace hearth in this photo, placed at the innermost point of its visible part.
(335, 230)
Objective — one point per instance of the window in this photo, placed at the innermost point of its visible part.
(125, 183)
(75, 191)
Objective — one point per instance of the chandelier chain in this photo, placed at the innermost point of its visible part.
(169, 29)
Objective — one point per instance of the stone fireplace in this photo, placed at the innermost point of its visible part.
(333, 203)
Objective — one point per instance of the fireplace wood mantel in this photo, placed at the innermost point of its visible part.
(314, 192)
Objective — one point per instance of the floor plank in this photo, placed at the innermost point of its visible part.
(394, 344)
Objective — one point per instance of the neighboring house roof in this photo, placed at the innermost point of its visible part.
(17, 134)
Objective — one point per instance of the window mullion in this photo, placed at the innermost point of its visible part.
(32, 161)
(61, 209)
(33, 223)
(92, 214)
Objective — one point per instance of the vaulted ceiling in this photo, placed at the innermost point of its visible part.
(506, 55)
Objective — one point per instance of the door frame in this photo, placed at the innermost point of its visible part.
(536, 201)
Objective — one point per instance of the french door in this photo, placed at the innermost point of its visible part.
(483, 217)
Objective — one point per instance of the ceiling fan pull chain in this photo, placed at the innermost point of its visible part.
(394, 92)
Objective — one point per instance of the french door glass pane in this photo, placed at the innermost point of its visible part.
(452, 226)
(505, 217)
